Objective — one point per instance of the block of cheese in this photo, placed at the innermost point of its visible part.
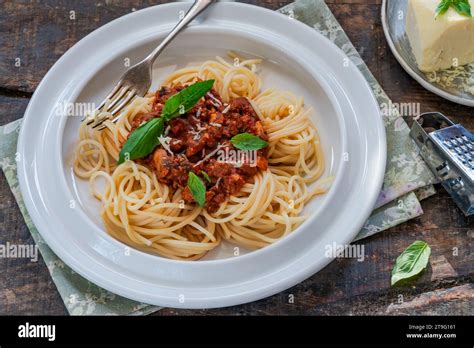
(439, 43)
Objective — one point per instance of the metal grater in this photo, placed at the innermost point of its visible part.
(448, 149)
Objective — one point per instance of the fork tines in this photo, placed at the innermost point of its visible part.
(118, 99)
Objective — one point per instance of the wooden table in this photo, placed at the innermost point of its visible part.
(38, 34)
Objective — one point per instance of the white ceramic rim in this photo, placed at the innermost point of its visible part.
(371, 171)
(430, 87)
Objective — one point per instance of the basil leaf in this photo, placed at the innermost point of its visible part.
(463, 7)
(142, 141)
(247, 142)
(411, 262)
(442, 8)
(204, 174)
(197, 188)
(185, 100)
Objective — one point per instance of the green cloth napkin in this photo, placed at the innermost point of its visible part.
(407, 181)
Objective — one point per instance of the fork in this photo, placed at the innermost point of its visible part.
(137, 80)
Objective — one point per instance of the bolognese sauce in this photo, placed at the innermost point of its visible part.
(192, 142)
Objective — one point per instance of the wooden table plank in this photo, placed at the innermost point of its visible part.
(39, 35)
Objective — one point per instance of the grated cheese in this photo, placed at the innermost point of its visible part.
(227, 108)
(216, 101)
(165, 142)
(209, 155)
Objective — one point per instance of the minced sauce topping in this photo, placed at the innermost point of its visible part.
(197, 140)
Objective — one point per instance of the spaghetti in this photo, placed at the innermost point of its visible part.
(143, 212)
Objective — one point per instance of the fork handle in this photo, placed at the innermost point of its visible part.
(193, 12)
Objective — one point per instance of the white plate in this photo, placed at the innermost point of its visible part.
(298, 59)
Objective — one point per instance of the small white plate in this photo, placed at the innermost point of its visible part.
(298, 59)
(394, 25)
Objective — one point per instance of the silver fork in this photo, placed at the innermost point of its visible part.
(137, 80)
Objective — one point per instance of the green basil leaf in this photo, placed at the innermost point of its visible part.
(204, 174)
(411, 262)
(463, 7)
(197, 188)
(142, 141)
(247, 142)
(443, 7)
(185, 100)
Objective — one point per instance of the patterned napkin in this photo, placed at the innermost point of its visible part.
(407, 180)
